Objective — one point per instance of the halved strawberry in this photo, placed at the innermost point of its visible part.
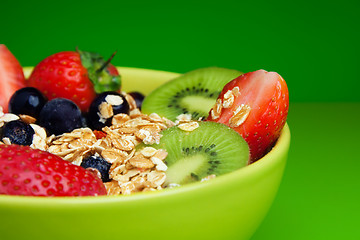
(11, 76)
(256, 105)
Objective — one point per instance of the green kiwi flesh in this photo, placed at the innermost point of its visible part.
(212, 148)
(194, 92)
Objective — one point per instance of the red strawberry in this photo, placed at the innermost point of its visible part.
(258, 111)
(30, 172)
(77, 76)
(11, 76)
(99, 134)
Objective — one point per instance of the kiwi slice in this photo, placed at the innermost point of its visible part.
(194, 92)
(212, 148)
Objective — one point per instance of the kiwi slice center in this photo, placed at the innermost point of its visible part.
(190, 164)
(198, 103)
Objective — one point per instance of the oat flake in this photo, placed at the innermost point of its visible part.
(240, 115)
(189, 126)
(114, 100)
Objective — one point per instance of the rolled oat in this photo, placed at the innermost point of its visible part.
(132, 170)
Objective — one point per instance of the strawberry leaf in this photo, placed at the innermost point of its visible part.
(98, 72)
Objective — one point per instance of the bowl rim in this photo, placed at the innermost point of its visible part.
(270, 160)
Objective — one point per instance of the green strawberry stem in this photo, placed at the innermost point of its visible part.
(106, 63)
(98, 72)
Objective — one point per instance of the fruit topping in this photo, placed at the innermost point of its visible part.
(194, 92)
(32, 172)
(138, 97)
(77, 76)
(11, 76)
(256, 105)
(59, 116)
(197, 150)
(86, 137)
(18, 132)
(99, 134)
(104, 107)
(98, 165)
(28, 101)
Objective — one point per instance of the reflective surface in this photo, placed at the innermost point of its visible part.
(319, 196)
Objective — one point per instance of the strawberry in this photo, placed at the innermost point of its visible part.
(256, 105)
(11, 76)
(30, 172)
(99, 134)
(75, 75)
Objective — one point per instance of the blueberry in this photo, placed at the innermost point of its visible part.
(59, 116)
(98, 117)
(28, 101)
(18, 132)
(98, 163)
(138, 97)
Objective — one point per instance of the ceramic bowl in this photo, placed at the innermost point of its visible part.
(230, 206)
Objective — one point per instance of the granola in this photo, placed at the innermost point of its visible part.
(131, 170)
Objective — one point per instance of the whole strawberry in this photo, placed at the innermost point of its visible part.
(29, 172)
(75, 75)
(256, 105)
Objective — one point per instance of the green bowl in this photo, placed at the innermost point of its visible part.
(230, 206)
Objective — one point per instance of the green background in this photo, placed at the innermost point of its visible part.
(314, 45)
